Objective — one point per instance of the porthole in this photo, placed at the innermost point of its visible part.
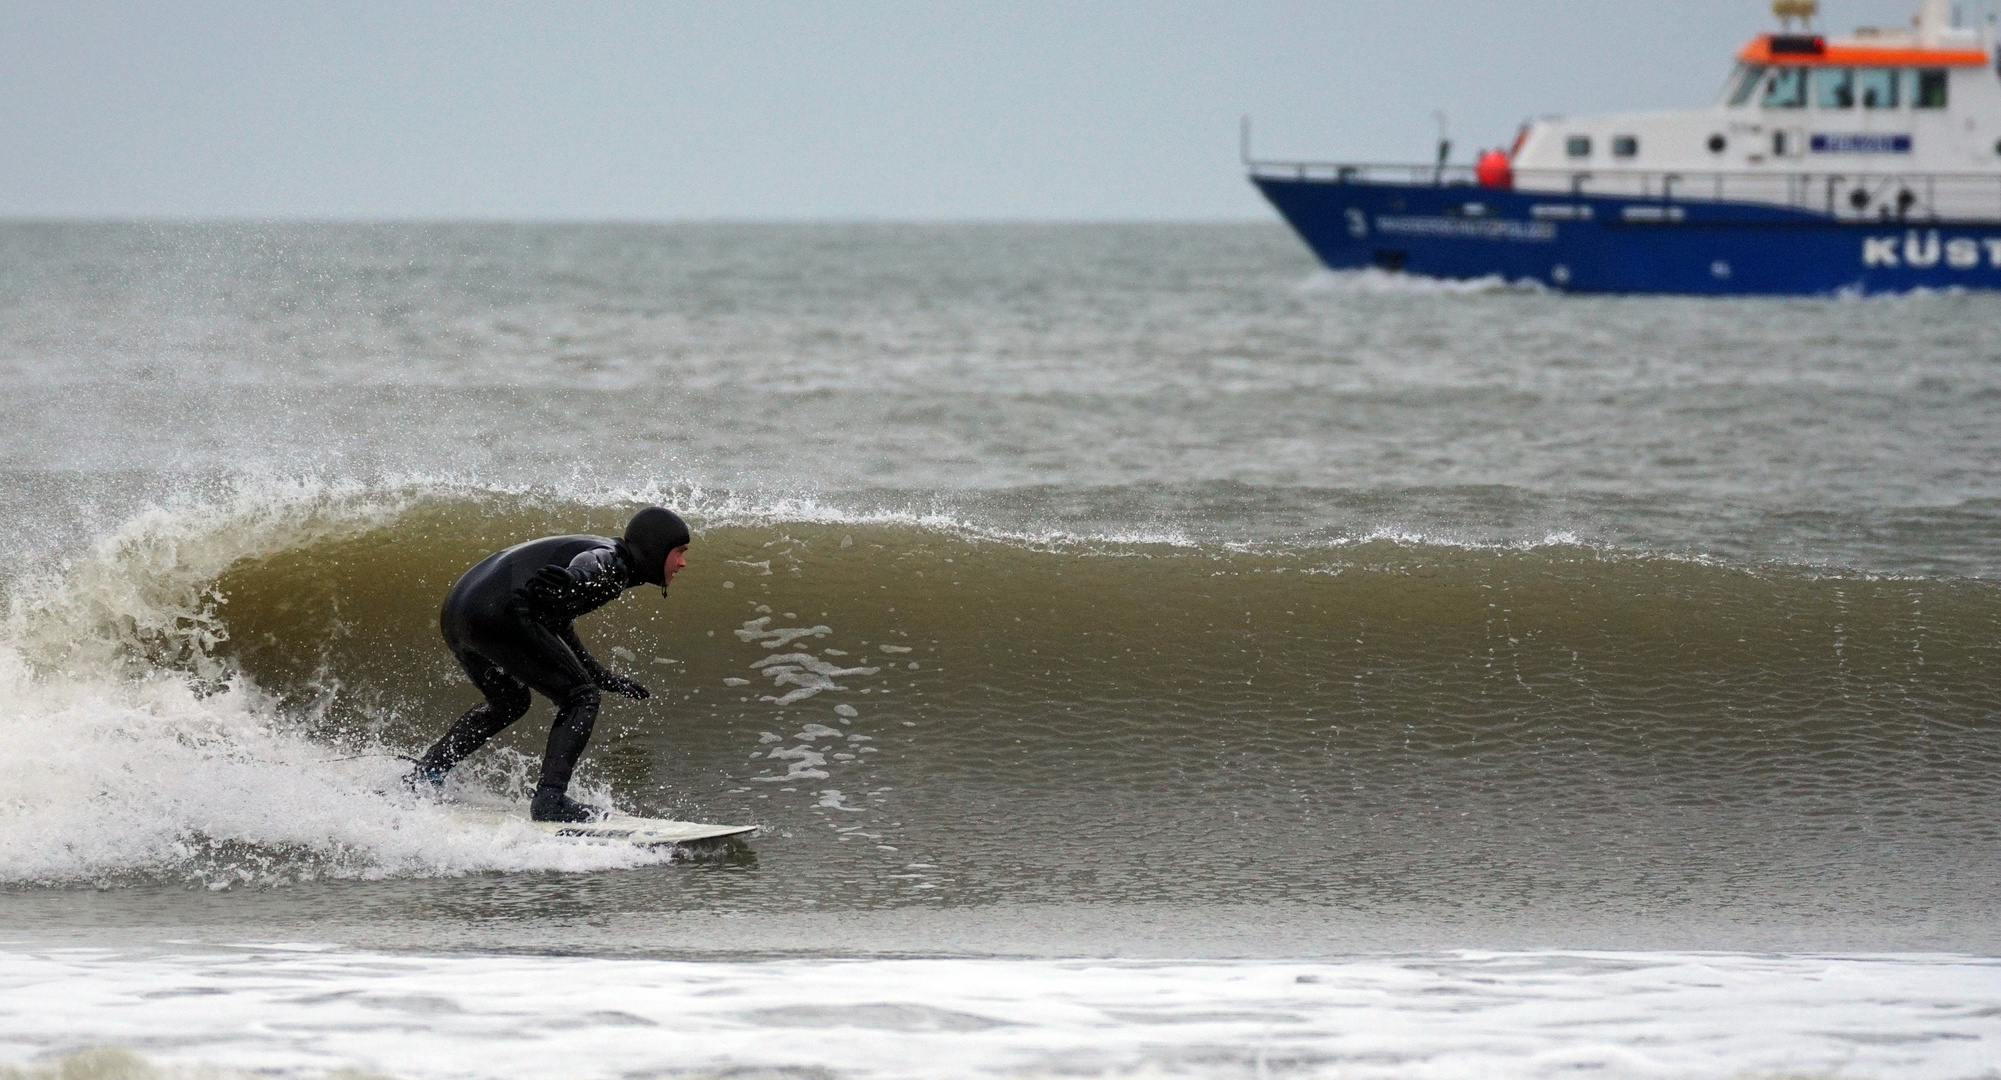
(1717, 143)
(1625, 146)
(1578, 146)
(1997, 146)
(1859, 198)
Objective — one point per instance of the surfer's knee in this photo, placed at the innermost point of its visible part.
(581, 697)
(576, 715)
(509, 701)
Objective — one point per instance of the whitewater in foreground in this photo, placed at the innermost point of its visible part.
(299, 1009)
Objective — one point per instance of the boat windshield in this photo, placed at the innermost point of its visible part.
(1879, 87)
(1834, 88)
(1931, 89)
(1785, 88)
(1747, 84)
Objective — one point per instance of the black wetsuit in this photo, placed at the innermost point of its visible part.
(507, 621)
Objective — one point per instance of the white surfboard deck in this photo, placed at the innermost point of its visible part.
(620, 828)
(641, 831)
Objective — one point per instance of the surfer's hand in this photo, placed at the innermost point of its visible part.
(547, 587)
(619, 684)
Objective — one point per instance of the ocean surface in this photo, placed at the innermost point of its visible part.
(1143, 652)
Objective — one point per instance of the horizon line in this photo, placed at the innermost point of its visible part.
(7, 218)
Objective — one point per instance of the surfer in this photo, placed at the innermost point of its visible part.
(507, 620)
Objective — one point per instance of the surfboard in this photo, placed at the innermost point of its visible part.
(616, 829)
(642, 831)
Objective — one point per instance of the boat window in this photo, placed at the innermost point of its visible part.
(1785, 88)
(1753, 75)
(1834, 88)
(1625, 146)
(1577, 146)
(1931, 89)
(1878, 87)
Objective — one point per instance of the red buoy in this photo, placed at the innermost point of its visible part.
(1493, 169)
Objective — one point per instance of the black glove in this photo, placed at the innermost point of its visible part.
(550, 586)
(619, 684)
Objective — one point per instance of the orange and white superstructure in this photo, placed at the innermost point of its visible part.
(1923, 100)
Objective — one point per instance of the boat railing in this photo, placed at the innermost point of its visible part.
(1845, 195)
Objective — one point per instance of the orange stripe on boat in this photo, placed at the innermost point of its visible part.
(1759, 51)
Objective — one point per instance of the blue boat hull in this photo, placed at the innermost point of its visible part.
(1606, 244)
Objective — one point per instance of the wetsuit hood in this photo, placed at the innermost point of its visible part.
(649, 536)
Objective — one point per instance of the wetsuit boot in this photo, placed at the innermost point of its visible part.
(567, 739)
(470, 733)
(505, 703)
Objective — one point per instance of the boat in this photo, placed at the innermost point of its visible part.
(1858, 165)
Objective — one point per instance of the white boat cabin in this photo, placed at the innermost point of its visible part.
(1888, 123)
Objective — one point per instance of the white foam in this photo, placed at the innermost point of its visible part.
(1372, 281)
(289, 1011)
(145, 776)
(710, 509)
(755, 630)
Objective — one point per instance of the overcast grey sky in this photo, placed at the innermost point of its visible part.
(752, 109)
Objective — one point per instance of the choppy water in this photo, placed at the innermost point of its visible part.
(1114, 591)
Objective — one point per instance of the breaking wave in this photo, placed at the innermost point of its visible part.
(218, 691)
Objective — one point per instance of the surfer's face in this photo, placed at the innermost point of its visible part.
(676, 559)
